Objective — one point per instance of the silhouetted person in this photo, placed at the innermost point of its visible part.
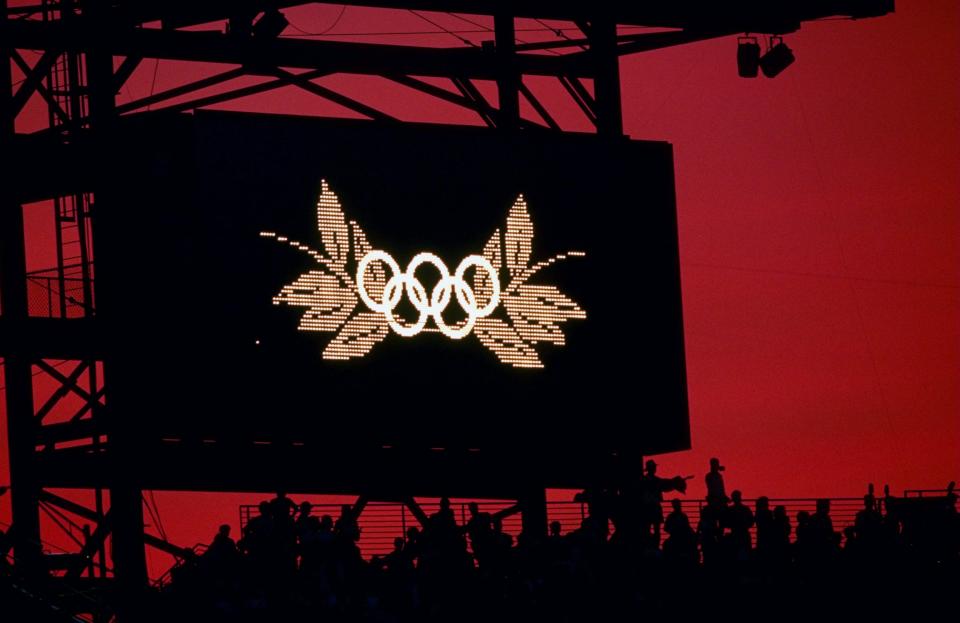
(325, 531)
(480, 530)
(346, 525)
(710, 530)
(822, 536)
(868, 526)
(444, 519)
(400, 592)
(805, 542)
(500, 544)
(442, 536)
(652, 488)
(738, 519)
(852, 545)
(595, 527)
(282, 507)
(412, 546)
(780, 536)
(257, 541)
(764, 523)
(555, 530)
(305, 525)
(681, 542)
(221, 557)
(398, 561)
(222, 545)
(716, 491)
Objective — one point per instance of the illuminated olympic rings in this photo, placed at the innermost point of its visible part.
(439, 298)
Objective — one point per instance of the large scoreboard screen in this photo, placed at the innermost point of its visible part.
(279, 277)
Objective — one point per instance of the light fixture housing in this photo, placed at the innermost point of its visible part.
(777, 58)
(748, 57)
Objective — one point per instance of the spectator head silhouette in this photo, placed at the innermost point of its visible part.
(474, 508)
(555, 528)
(736, 496)
(675, 505)
(224, 530)
(651, 467)
(763, 503)
(715, 465)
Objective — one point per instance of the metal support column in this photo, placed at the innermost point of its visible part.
(508, 77)
(126, 502)
(21, 426)
(606, 84)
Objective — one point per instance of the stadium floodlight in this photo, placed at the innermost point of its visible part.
(777, 58)
(748, 57)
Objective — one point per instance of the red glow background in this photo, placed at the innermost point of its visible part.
(818, 231)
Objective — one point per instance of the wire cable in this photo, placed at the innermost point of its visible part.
(39, 372)
(443, 28)
(153, 84)
(455, 31)
(156, 508)
(519, 40)
(343, 9)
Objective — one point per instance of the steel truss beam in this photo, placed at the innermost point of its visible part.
(94, 517)
(581, 97)
(190, 87)
(466, 99)
(504, 64)
(311, 87)
(331, 56)
(34, 78)
(539, 107)
(125, 70)
(760, 16)
(68, 383)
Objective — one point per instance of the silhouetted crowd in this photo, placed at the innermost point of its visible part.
(615, 564)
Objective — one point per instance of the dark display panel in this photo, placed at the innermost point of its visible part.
(228, 278)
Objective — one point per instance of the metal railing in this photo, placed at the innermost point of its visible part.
(926, 493)
(382, 522)
(48, 296)
(164, 580)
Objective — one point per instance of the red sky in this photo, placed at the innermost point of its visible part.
(819, 230)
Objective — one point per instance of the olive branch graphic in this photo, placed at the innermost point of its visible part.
(331, 294)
